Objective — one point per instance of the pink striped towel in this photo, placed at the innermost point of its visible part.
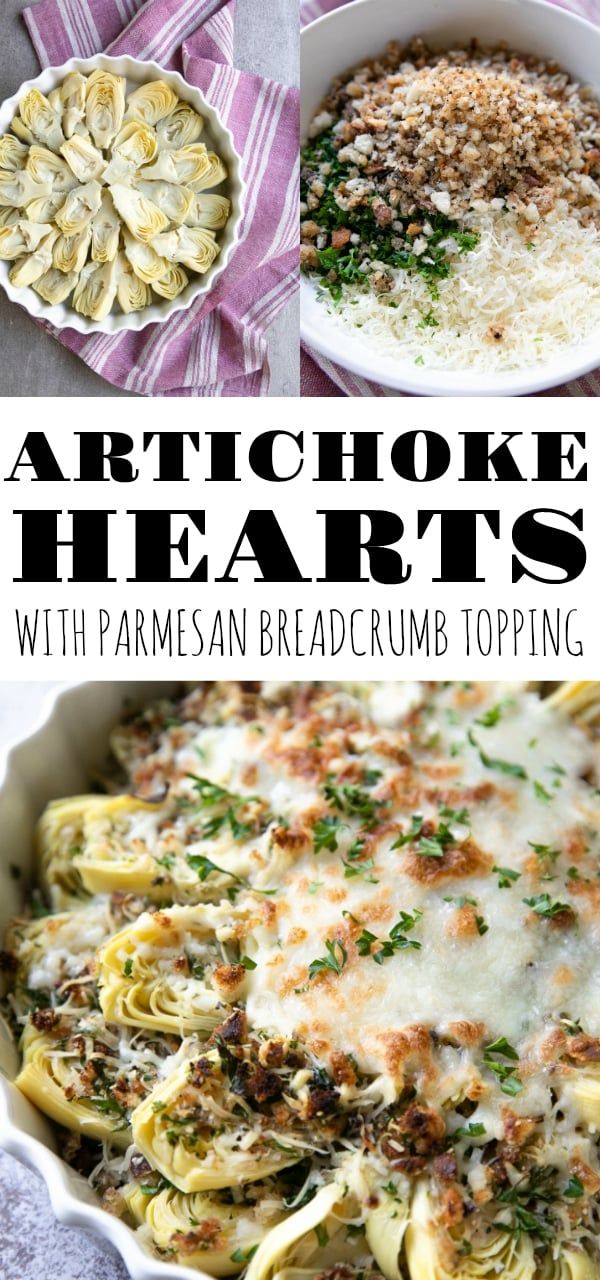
(217, 347)
(319, 376)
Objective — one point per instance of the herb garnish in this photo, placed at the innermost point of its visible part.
(325, 834)
(543, 906)
(354, 801)
(229, 806)
(507, 876)
(506, 1074)
(503, 766)
(334, 961)
(397, 940)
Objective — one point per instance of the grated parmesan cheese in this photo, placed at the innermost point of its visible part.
(544, 293)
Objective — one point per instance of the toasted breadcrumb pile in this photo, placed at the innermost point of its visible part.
(446, 131)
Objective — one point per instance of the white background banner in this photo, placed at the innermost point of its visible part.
(320, 626)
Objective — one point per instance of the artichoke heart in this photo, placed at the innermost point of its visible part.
(56, 285)
(144, 260)
(208, 211)
(79, 208)
(301, 1244)
(23, 237)
(105, 106)
(23, 133)
(28, 269)
(41, 120)
(134, 145)
(205, 1230)
(106, 228)
(45, 208)
(18, 188)
(214, 1146)
(83, 158)
(70, 252)
(96, 290)
(72, 96)
(187, 165)
(50, 1081)
(151, 102)
(132, 293)
(142, 216)
(500, 1252)
(156, 972)
(195, 247)
(175, 201)
(180, 128)
(172, 283)
(47, 168)
(214, 175)
(8, 216)
(13, 153)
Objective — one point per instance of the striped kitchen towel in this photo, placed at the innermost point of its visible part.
(218, 346)
(319, 376)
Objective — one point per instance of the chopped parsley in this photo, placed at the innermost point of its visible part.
(243, 1255)
(397, 940)
(473, 1130)
(544, 851)
(333, 962)
(506, 876)
(503, 766)
(574, 1188)
(354, 801)
(229, 808)
(543, 906)
(494, 1058)
(247, 962)
(128, 967)
(325, 833)
(205, 868)
(541, 792)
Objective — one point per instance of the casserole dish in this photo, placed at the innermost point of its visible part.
(68, 742)
(346, 38)
(215, 135)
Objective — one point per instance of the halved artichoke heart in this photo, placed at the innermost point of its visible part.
(96, 290)
(144, 260)
(105, 106)
(174, 200)
(23, 133)
(214, 175)
(70, 252)
(156, 972)
(28, 269)
(208, 211)
(151, 102)
(13, 153)
(172, 283)
(180, 128)
(47, 168)
(132, 293)
(45, 208)
(9, 217)
(134, 145)
(83, 158)
(187, 165)
(191, 1130)
(195, 247)
(23, 237)
(307, 1242)
(41, 120)
(18, 188)
(79, 208)
(50, 1078)
(142, 216)
(72, 96)
(206, 1230)
(106, 227)
(56, 286)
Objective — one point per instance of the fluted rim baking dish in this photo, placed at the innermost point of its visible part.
(55, 758)
(350, 34)
(61, 315)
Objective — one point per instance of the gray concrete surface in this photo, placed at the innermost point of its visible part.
(32, 362)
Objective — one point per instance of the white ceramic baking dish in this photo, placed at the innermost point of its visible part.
(356, 31)
(56, 759)
(216, 136)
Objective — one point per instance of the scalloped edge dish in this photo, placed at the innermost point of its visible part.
(69, 737)
(63, 316)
